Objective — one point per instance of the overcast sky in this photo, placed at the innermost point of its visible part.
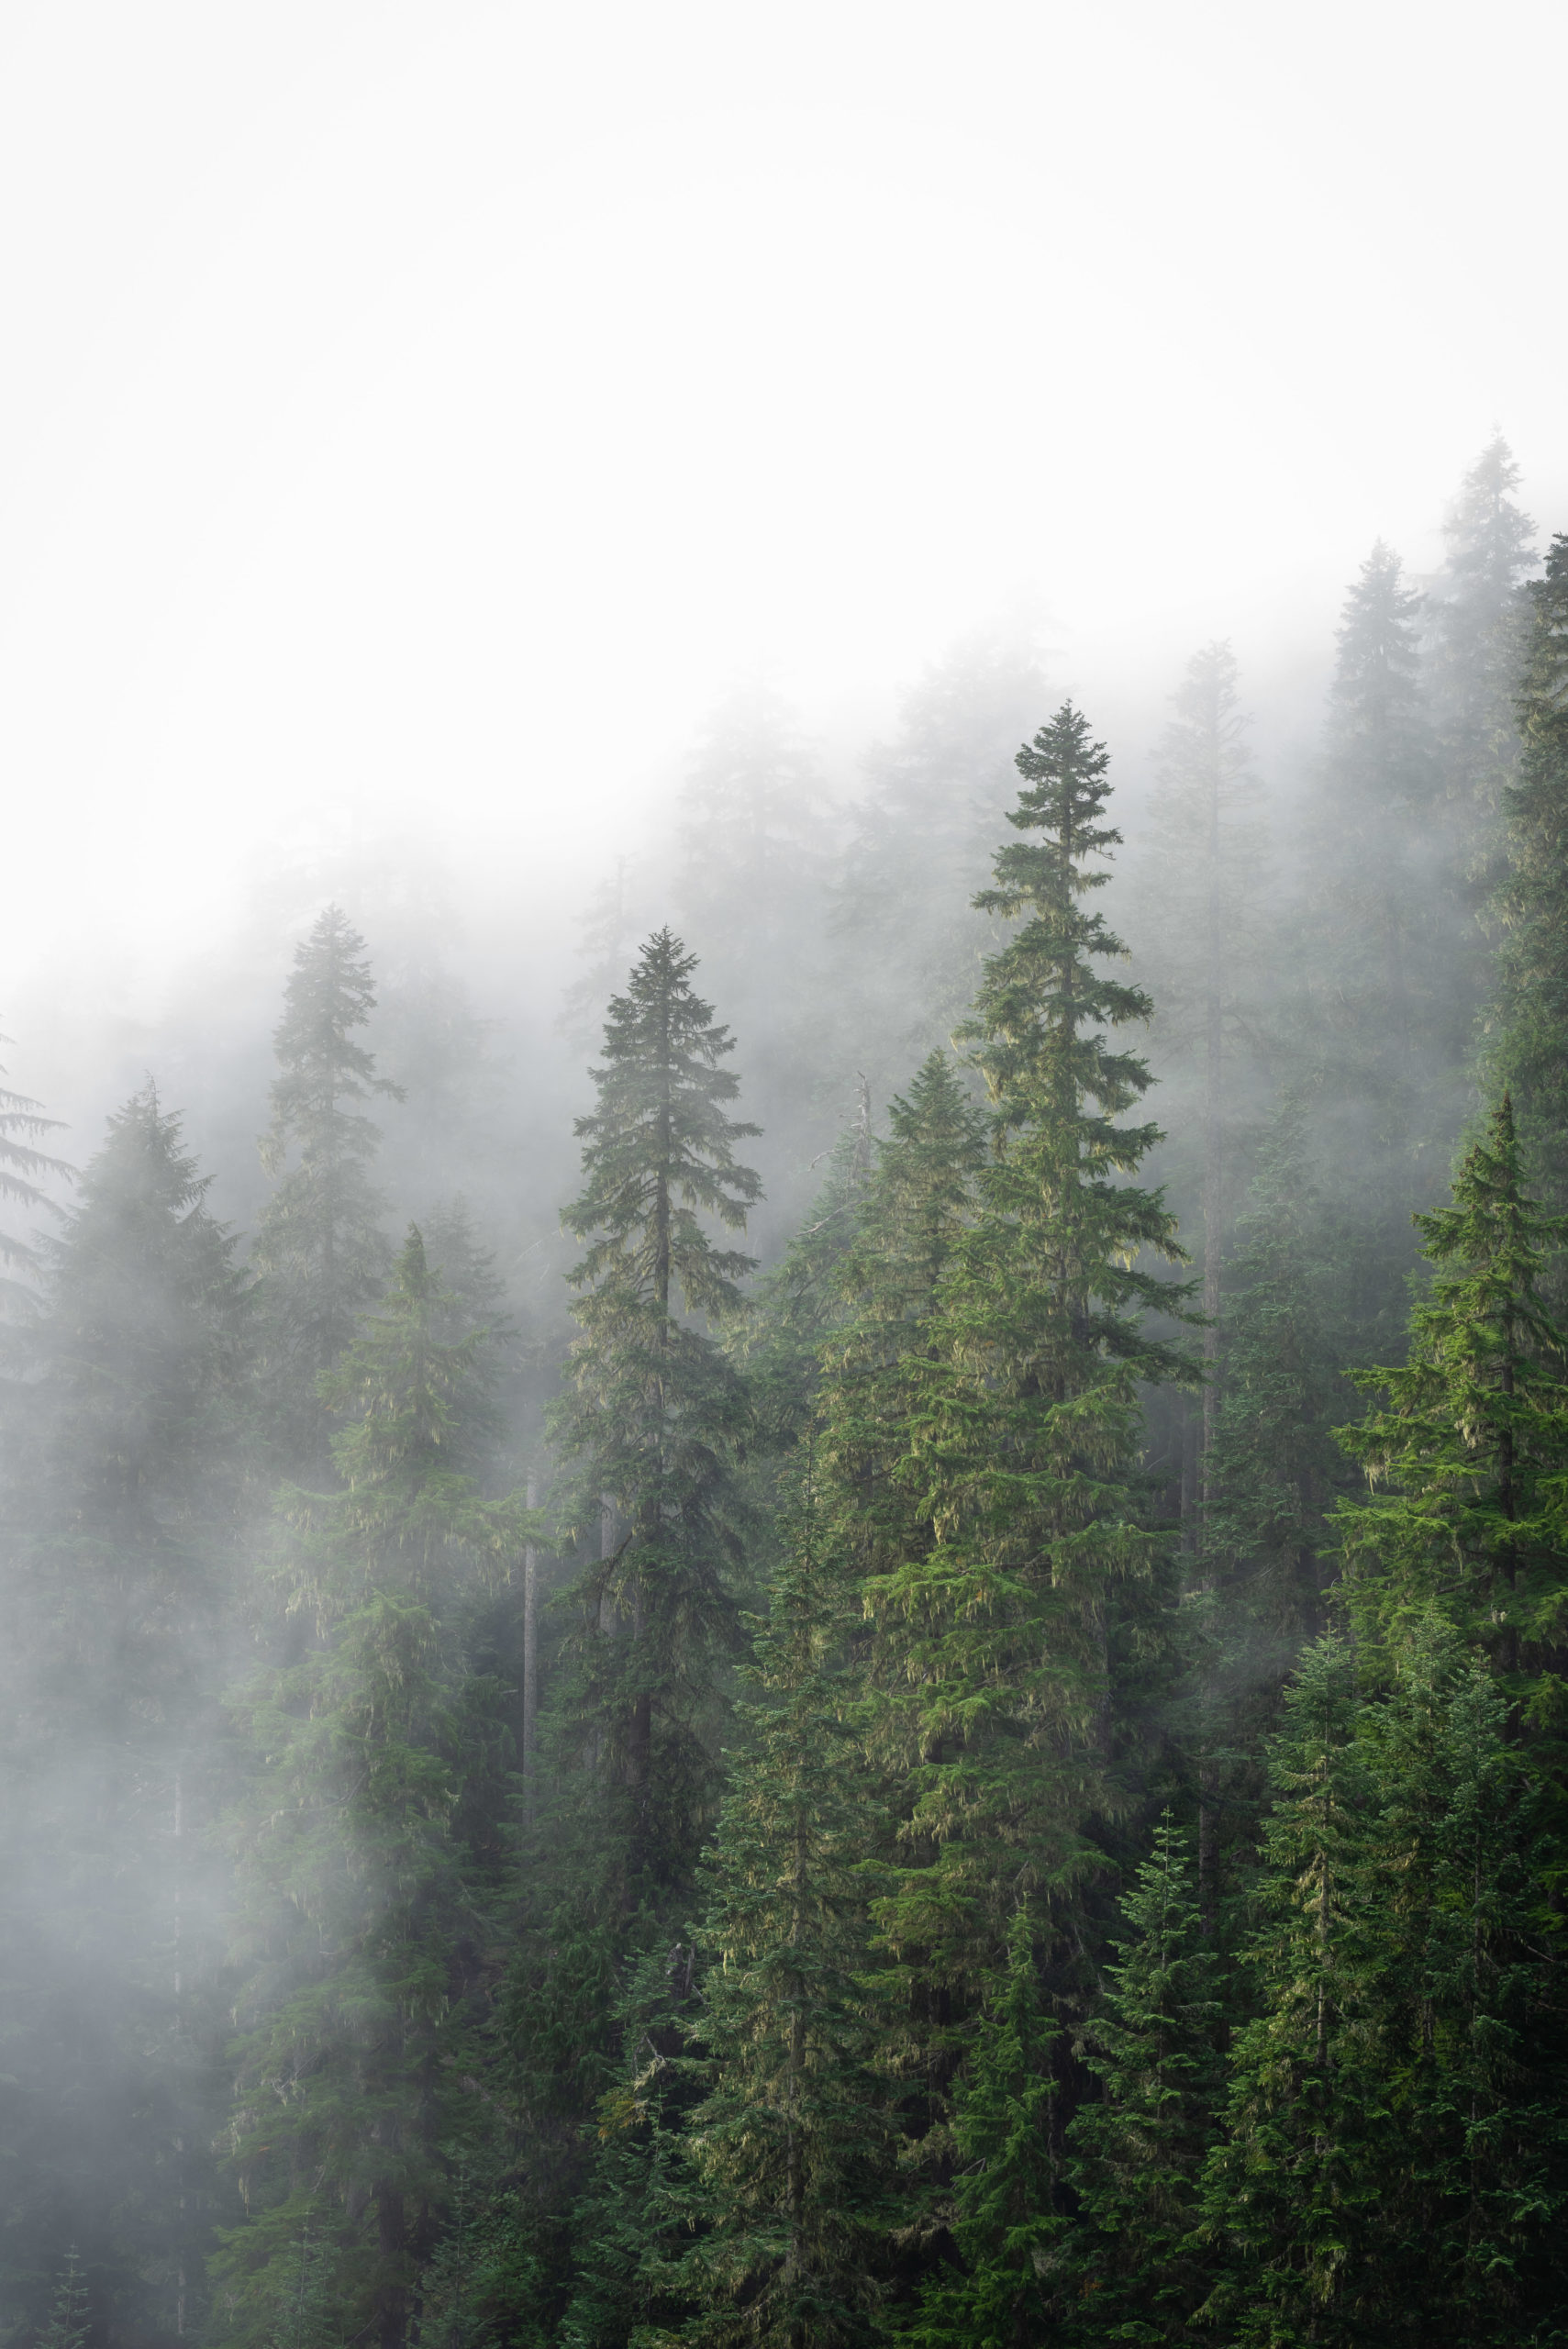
(416, 415)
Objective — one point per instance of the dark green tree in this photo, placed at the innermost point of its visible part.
(1013, 1627)
(1531, 1009)
(69, 2325)
(1473, 1444)
(1292, 2192)
(790, 2143)
(1005, 2216)
(653, 1411)
(1136, 2268)
(319, 1245)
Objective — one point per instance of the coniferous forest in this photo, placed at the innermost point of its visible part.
(952, 1727)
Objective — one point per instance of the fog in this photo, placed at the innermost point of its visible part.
(526, 478)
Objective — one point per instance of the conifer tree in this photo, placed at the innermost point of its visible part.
(1005, 2218)
(1477, 619)
(319, 1245)
(1199, 916)
(1292, 2192)
(1533, 1007)
(904, 945)
(358, 1886)
(1474, 1440)
(68, 2326)
(790, 2143)
(23, 1126)
(126, 1474)
(1009, 1628)
(653, 1411)
(1139, 2150)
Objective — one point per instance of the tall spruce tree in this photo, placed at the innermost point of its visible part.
(1200, 919)
(1473, 1444)
(1532, 1012)
(319, 1245)
(1013, 1642)
(790, 2144)
(359, 1882)
(1137, 2272)
(23, 1167)
(654, 1411)
(126, 1481)
(1477, 620)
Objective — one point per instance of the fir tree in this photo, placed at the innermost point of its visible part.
(69, 2326)
(1200, 944)
(654, 1411)
(1477, 619)
(1008, 1626)
(358, 1887)
(1532, 1012)
(1005, 2218)
(790, 2143)
(319, 1245)
(1475, 1439)
(23, 1126)
(1139, 2153)
(1292, 2192)
(126, 1478)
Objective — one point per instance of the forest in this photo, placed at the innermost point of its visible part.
(948, 1723)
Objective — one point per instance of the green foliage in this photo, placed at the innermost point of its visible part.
(1473, 1439)
(319, 1245)
(654, 1412)
(1005, 2214)
(790, 2143)
(1533, 1007)
(1152, 2042)
(69, 2325)
(1022, 1436)
(359, 1892)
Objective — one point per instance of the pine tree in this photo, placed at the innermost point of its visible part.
(1532, 1004)
(23, 1126)
(126, 1481)
(1008, 1626)
(1199, 916)
(1293, 2192)
(358, 1886)
(1383, 1026)
(905, 946)
(68, 2326)
(1005, 2213)
(319, 1245)
(790, 2143)
(1139, 2153)
(1477, 619)
(654, 1411)
(1473, 1441)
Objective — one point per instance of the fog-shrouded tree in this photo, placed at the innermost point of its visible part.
(23, 1169)
(1200, 913)
(1531, 1007)
(361, 1886)
(905, 944)
(654, 1411)
(790, 2144)
(125, 1475)
(319, 1245)
(1477, 620)
(1011, 1645)
(1468, 1457)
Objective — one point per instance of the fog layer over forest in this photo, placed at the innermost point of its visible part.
(855, 1632)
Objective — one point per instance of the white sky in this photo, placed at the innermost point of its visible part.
(417, 414)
